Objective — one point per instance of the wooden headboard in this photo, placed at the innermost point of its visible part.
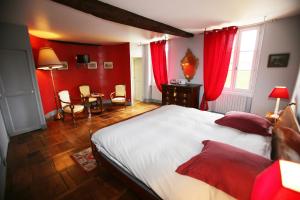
(280, 149)
(296, 98)
(296, 103)
(288, 118)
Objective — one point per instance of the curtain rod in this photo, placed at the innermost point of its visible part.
(247, 25)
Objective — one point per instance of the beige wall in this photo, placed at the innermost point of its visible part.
(280, 36)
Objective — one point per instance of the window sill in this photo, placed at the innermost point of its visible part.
(240, 93)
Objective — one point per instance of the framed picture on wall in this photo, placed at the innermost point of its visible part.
(65, 65)
(92, 65)
(108, 65)
(278, 60)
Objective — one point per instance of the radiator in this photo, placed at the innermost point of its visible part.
(232, 102)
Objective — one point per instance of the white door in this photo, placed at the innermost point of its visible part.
(138, 79)
(17, 100)
(19, 96)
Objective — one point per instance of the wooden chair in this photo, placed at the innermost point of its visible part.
(119, 95)
(85, 94)
(67, 106)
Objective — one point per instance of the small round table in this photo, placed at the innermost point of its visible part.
(97, 109)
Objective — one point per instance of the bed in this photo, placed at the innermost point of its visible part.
(145, 151)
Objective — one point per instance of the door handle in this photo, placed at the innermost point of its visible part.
(32, 91)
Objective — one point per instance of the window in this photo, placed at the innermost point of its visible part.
(242, 67)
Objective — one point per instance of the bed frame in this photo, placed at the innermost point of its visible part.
(133, 183)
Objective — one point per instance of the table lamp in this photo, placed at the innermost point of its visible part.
(279, 181)
(48, 60)
(279, 92)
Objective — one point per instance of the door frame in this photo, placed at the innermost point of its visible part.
(133, 76)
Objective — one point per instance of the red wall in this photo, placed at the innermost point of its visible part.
(100, 80)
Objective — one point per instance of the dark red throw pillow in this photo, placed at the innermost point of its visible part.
(225, 167)
(246, 122)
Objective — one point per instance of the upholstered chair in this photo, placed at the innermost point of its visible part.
(67, 106)
(119, 95)
(85, 94)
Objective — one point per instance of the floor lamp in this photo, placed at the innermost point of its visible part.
(48, 60)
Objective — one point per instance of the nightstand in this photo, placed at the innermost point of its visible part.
(269, 116)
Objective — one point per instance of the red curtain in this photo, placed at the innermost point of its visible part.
(217, 52)
(159, 66)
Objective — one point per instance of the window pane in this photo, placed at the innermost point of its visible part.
(228, 79)
(245, 60)
(230, 66)
(232, 54)
(243, 79)
(248, 40)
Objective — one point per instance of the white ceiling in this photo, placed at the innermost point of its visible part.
(189, 15)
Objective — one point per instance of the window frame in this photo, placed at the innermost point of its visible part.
(254, 68)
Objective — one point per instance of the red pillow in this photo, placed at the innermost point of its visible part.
(246, 122)
(225, 167)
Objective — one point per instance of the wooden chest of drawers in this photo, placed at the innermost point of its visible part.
(183, 95)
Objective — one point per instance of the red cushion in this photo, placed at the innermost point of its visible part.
(246, 122)
(225, 167)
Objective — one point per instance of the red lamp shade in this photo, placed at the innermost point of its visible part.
(279, 181)
(280, 92)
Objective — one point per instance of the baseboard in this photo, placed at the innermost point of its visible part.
(152, 101)
(50, 114)
(108, 102)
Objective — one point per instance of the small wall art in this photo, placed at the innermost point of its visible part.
(108, 65)
(92, 65)
(278, 60)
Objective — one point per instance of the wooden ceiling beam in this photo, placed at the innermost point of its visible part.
(115, 14)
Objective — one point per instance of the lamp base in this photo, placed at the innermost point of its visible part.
(58, 116)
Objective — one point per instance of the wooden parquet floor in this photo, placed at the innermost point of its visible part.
(40, 166)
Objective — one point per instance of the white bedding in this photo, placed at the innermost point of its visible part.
(152, 146)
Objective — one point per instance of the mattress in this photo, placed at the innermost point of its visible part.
(151, 146)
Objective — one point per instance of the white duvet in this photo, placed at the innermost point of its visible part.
(152, 146)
